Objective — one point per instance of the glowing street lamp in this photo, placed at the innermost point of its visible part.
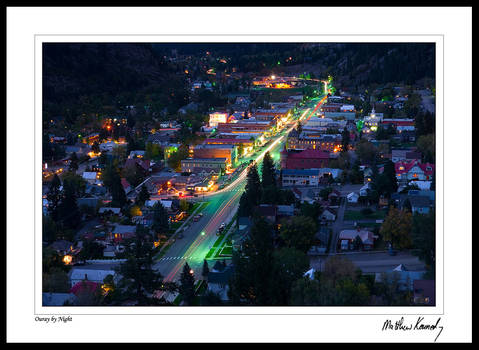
(67, 259)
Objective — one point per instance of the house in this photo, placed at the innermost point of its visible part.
(109, 210)
(196, 165)
(424, 292)
(58, 299)
(307, 159)
(126, 185)
(218, 281)
(353, 197)
(414, 170)
(347, 238)
(420, 204)
(404, 155)
(90, 273)
(364, 191)
(330, 173)
(404, 277)
(136, 154)
(121, 232)
(328, 215)
(422, 185)
(368, 174)
(334, 196)
(90, 202)
(300, 177)
(244, 226)
(91, 177)
(268, 211)
(62, 246)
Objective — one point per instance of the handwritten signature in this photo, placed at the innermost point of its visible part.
(420, 325)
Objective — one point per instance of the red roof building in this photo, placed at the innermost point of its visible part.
(84, 286)
(414, 170)
(307, 159)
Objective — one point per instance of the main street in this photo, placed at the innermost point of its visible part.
(198, 237)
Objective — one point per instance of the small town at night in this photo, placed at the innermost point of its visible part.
(238, 174)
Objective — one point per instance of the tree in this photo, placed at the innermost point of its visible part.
(424, 237)
(253, 192)
(290, 265)
(174, 161)
(91, 250)
(346, 139)
(73, 162)
(55, 281)
(205, 270)
(75, 181)
(54, 196)
(139, 281)
(160, 219)
(240, 150)
(184, 205)
(118, 195)
(119, 152)
(386, 183)
(143, 196)
(298, 232)
(253, 281)
(396, 228)
(312, 210)
(210, 298)
(426, 145)
(49, 229)
(366, 151)
(268, 172)
(187, 285)
(306, 292)
(70, 215)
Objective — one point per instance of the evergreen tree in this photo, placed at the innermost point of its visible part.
(118, 195)
(254, 281)
(253, 186)
(298, 232)
(187, 285)
(268, 174)
(54, 196)
(139, 281)
(346, 139)
(424, 237)
(73, 162)
(95, 147)
(205, 270)
(143, 196)
(70, 215)
(160, 219)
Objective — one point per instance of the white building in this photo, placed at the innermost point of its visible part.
(353, 197)
(218, 117)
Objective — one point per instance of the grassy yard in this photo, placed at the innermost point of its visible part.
(227, 250)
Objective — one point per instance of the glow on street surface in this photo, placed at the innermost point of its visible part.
(221, 205)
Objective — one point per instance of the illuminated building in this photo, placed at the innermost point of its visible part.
(206, 151)
(218, 117)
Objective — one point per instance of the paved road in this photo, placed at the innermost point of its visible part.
(372, 262)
